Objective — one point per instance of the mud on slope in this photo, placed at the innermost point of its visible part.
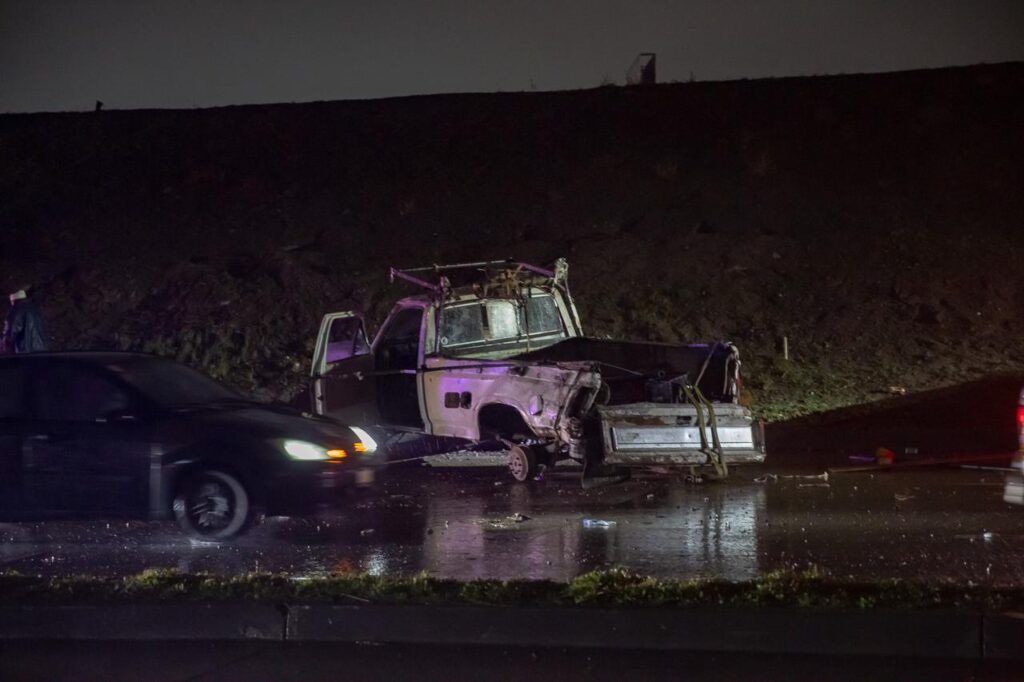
(874, 221)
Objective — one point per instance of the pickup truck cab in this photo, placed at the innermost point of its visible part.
(502, 357)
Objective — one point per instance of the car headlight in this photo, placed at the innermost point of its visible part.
(365, 442)
(304, 450)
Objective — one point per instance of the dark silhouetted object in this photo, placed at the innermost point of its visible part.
(642, 71)
(99, 105)
(24, 329)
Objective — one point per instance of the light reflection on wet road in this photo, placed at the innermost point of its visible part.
(946, 524)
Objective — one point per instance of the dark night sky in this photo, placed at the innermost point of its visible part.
(65, 54)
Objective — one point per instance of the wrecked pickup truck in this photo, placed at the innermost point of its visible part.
(502, 358)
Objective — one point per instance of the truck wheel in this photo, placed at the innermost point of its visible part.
(212, 505)
(522, 462)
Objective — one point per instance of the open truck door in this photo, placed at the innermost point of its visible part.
(343, 382)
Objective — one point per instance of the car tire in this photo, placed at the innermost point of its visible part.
(522, 462)
(212, 505)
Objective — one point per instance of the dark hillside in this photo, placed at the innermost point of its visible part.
(874, 220)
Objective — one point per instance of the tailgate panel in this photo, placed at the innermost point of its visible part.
(628, 437)
(656, 433)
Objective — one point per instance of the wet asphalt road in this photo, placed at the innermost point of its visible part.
(184, 661)
(476, 523)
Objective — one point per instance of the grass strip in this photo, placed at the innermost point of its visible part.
(809, 589)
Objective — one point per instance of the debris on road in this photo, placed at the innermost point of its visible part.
(976, 467)
(903, 497)
(598, 523)
(507, 522)
(366, 531)
(921, 463)
(809, 477)
(766, 478)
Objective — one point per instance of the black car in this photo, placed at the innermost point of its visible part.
(126, 434)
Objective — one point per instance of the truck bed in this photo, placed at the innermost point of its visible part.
(626, 365)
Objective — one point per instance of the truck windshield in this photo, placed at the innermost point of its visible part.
(499, 321)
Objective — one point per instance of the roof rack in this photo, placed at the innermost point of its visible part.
(558, 274)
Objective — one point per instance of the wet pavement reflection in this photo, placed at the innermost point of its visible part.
(937, 524)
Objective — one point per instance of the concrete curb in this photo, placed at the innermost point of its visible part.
(925, 634)
(949, 635)
(143, 621)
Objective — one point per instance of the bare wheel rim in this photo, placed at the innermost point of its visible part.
(516, 465)
(519, 463)
(211, 507)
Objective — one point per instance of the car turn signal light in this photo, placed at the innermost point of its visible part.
(359, 446)
(337, 454)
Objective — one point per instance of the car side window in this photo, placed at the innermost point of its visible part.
(76, 394)
(12, 390)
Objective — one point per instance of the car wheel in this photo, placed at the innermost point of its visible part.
(212, 505)
(522, 462)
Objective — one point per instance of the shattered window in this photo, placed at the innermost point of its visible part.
(498, 320)
(462, 324)
(540, 316)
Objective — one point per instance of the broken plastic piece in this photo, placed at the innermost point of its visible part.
(885, 456)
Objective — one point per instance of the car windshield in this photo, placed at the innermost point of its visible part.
(173, 386)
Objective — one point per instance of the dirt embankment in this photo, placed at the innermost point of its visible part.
(874, 220)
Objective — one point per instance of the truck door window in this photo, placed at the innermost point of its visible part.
(400, 340)
(346, 339)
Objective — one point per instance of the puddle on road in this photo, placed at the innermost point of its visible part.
(459, 524)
